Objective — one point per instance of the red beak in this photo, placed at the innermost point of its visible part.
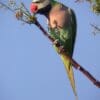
(33, 8)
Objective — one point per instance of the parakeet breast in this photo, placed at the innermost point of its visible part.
(58, 16)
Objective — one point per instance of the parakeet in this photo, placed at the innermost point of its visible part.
(62, 27)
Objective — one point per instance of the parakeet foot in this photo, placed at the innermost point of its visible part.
(55, 42)
(61, 49)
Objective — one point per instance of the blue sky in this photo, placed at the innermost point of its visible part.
(30, 69)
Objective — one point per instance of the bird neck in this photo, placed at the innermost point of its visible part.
(45, 11)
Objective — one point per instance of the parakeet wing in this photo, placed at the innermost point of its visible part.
(66, 37)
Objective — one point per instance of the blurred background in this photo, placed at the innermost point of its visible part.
(30, 69)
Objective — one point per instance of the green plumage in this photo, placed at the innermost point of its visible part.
(62, 28)
(66, 37)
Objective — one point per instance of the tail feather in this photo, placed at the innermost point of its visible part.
(69, 70)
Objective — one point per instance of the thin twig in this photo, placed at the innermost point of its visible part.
(4, 5)
(95, 27)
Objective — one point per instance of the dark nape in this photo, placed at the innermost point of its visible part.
(45, 11)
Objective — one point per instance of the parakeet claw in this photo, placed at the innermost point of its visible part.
(61, 49)
(55, 42)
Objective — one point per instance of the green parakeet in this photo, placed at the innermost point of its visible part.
(62, 27)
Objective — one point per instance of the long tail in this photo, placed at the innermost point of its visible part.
(69, 70)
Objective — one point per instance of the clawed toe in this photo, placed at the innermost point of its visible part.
(61, 49)
(55, 42)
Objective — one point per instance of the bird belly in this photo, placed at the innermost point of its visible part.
(58, 19)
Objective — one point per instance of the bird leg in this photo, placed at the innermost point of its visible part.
(61, 49)
(55, 41)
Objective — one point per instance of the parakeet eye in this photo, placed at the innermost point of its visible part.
(33, 7)
(37, 2)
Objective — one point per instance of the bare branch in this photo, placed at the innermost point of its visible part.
(74, 63)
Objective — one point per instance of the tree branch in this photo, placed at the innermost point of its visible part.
(74, 63)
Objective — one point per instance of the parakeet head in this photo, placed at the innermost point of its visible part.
(40, 6)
